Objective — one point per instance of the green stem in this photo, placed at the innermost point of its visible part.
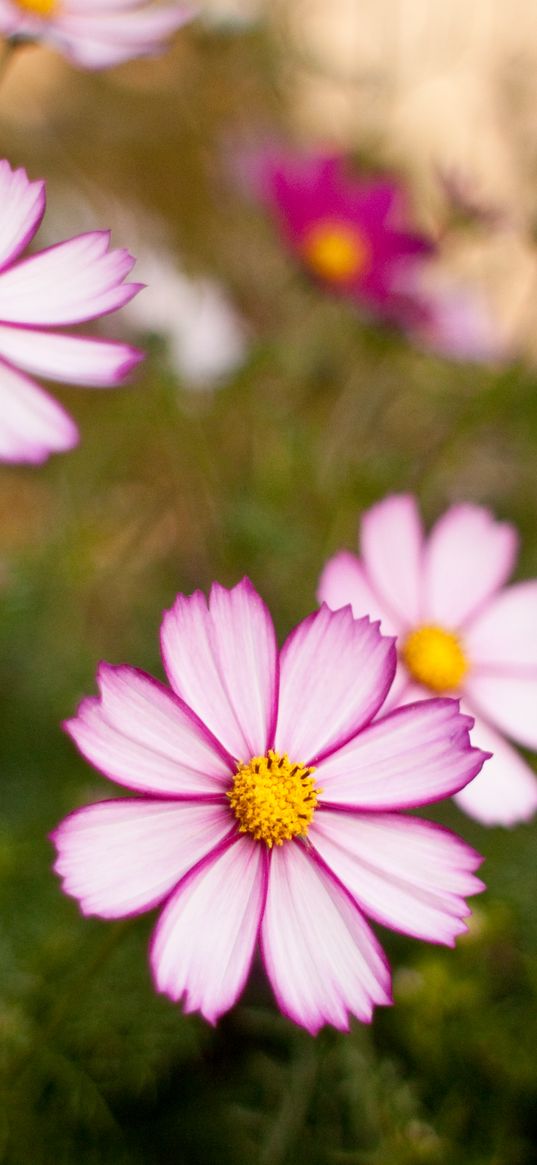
(294, 1108)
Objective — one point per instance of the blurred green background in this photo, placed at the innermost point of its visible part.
(172, 487)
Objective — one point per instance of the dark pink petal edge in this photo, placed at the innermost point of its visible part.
(285, 1010)
(203, 730)
(462, 735)
(160, 899)
(233, 838)
(476, 861)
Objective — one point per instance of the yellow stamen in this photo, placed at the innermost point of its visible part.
(43, 8)
(435, 658)
(335, 251)
(273, 799)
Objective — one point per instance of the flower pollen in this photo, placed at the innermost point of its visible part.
(42, 8)
(335, 251)
(435, 658)
(273, 799)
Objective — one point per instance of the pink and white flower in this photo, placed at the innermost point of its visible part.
(268, 809)
(69, 283)
(459, 632)
(95, 34)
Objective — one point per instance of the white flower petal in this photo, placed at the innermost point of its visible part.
(505, 791)
(469, 556)
(205, 938)
(73, 281)
(72, 359)
(509, 702)
(121, 857)
(335, 674)
(322, 959)
(406, 873)
(23, 206)
(99, 39)
(221, 658)
(391, 542)
(140, 735)
(343, 580)
(413, 756)
(32, 425)
(503, 637)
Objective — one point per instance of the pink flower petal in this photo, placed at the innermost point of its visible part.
(73, 281)
(344, 581)
(503, 637)
(73, 359)
(140, 735)
(11, 18)
(407, 873)
(508, 702)
(457, 322)
(321, 957)
(102, 6)
(32, 425)
(97, 40)
(221, 658)
(121, 857)
(204, 940)
(468, 557)
(23, 206)
(505, 792)
(415, 755)
(392, 548)
(335, 674)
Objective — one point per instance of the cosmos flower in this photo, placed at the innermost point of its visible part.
(94, 34)
(74, 281)
(459, 632)
(349, 233)
(268, 809)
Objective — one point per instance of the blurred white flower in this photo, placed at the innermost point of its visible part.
(205, 337)
(231, 13)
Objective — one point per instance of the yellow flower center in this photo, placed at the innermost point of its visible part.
(335, 251)
(43, 8)
(435, 658)
(273, 799)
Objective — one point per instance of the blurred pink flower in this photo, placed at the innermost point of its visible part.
(94, 34)
(268, 809)
(349, 233)
(459, 632)
(458, 323)
(77, 280)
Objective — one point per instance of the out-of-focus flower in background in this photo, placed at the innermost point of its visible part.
(350, 234)
(425, 89)
(69, 283)
(205, 337)
(232, 14)
(455, 320)
(270, 809)
(95, 34)
(458, 631)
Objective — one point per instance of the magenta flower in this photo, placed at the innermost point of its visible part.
(268, 809)
(348, 233)
(94, 34)
(69, 283)
(459, 632)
